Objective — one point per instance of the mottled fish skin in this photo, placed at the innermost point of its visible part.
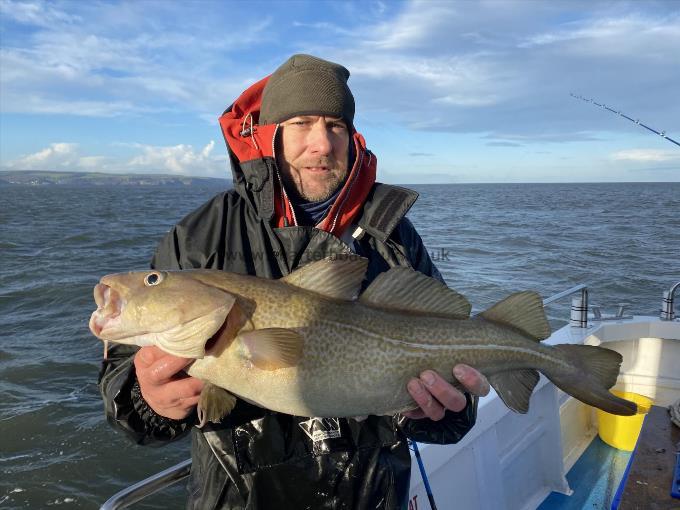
(356, 358)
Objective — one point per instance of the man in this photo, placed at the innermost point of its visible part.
(304, 189)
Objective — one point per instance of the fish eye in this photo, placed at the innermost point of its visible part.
(153, 279)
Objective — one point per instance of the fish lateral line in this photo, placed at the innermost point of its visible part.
(450, 346)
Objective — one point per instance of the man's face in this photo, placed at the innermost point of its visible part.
(313, 155)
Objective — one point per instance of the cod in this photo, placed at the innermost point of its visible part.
(309, 344)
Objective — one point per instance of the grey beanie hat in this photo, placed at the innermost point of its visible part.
(307, 85)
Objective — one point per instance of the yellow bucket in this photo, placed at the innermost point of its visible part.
(622, 431)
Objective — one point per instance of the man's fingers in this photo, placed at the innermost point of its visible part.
(473, 380)
(425, 400)
(446, 394)
(183, 393)
(168, 366)
(164, 369)
(188, 403)
(189, 387)
(146, 356)
(435, 395)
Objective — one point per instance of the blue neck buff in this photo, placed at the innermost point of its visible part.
(311, 213)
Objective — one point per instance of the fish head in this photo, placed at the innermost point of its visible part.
(170, 309)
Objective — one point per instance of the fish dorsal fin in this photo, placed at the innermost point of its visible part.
(522, 311)
(336, 277)
(515, 388)
(402, 288)
(272, 348)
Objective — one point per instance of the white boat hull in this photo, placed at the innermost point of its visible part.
(510, 461)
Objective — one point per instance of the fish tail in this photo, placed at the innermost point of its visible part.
(597, 369)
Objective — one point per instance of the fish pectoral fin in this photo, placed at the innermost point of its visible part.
(337, 277)
(272, 348)
(402, 288)
(522, 311)
(214, 404)
(515, 388)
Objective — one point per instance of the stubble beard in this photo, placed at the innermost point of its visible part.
(332, 186)
(295, 183)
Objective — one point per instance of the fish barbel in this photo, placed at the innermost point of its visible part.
(309, 345)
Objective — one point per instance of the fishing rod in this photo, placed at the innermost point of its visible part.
(423, 474)
(662, 134)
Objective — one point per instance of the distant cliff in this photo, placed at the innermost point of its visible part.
(36, 178)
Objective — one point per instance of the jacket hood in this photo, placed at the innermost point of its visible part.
(252, 156)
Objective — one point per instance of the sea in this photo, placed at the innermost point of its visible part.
(488, 240)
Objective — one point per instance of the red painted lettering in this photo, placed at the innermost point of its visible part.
(413, 503)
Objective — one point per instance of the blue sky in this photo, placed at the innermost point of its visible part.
(446, 91)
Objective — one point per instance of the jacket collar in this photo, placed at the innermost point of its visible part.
(385, 208)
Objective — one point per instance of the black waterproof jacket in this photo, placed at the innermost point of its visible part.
(256, 458)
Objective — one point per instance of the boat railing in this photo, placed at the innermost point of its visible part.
(174, 474)
(667, 312)
(148, 486)
(582, 288)
(579, 305)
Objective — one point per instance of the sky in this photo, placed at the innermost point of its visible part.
(446, 91)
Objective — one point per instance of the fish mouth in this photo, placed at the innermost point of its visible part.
(109, 307)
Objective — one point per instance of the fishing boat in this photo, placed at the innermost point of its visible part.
(552, 457)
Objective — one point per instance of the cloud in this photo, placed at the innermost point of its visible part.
(84, 55)
(542, 138)
(634, 32)
(500, 70)
(646, 155)
(508, 67)
(503, 144)
(56, 156)
(178, 159)
(35, 13)
(413, 27)
(420, 154)
(324, 27)
(657, 171)
(61, 156)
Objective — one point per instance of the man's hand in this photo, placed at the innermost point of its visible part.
(167, 390)
(434, 395)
